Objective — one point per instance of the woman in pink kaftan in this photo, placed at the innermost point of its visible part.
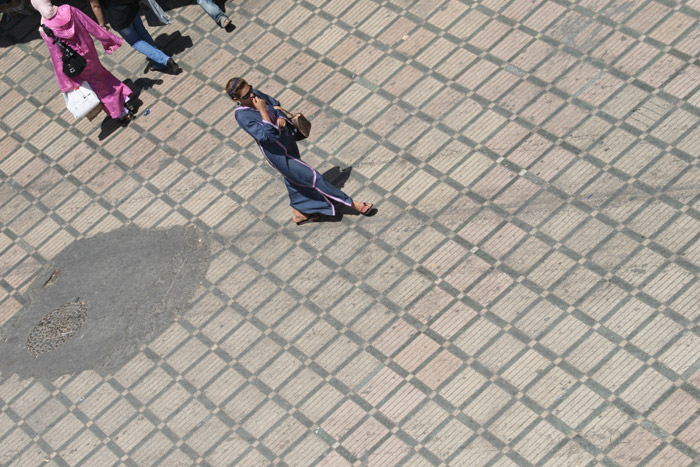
(74, 27)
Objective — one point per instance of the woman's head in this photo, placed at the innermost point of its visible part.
(45, 8)
(239, 90)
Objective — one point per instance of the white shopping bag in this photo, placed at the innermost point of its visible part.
(81, 100)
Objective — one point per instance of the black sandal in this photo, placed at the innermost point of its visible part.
(311, 218)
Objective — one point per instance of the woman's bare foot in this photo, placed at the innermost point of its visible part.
(362, 208)
(299, 217)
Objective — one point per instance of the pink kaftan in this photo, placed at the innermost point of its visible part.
(74, 28)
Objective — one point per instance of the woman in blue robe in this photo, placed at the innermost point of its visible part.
(309, 193)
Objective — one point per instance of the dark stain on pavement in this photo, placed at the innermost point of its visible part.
(130, 284)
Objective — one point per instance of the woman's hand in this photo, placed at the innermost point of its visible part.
(259, 104)
(99, 16)
(281, 122)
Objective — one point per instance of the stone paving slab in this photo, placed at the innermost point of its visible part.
(526, 295)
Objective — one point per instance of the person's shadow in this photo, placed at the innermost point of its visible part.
(110, 125)
(173, 44)
(141, 84)
(338, 178)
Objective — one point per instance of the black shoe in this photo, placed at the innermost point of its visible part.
(126, 119)
(173, 68)
(132, 105)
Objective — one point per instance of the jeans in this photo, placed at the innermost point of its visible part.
(212, 9)
(137, 37)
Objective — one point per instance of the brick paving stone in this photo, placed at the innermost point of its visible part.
(526, 295)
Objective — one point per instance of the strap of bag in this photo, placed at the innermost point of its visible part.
(66, 49)
(56, 40)
(49, 32)
(289, 114)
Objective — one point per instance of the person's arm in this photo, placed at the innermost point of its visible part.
(261, 106)
(263, 131)
(268, 116)
(109, 41)
(99, 15)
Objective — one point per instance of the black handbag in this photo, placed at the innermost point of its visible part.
(73, 62)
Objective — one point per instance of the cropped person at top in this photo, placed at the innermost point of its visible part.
(124, 17)
(217, 14)
(74, 28)
(310, 194)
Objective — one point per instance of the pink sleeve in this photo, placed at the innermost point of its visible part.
(65, 83)
(109, 41)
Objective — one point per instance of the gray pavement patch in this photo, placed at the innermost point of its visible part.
(131, 284)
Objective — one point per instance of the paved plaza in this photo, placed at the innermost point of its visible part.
(526, 294)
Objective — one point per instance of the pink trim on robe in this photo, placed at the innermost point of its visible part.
(76, 28)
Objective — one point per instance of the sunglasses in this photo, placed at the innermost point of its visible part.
(248, 94)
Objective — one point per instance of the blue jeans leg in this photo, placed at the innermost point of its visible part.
(137, 36)
(212, 9)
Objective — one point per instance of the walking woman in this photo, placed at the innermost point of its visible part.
(309, 193)
(124, 17)
(74, 28)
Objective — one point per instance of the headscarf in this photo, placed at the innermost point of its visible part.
(45, 8)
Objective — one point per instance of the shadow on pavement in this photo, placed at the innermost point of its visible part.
(338, 177)
(110, 125)
(173, 44)
(141, 84)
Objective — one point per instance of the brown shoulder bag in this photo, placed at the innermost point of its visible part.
(300, 122)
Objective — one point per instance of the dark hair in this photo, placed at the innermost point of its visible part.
(234, 87)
